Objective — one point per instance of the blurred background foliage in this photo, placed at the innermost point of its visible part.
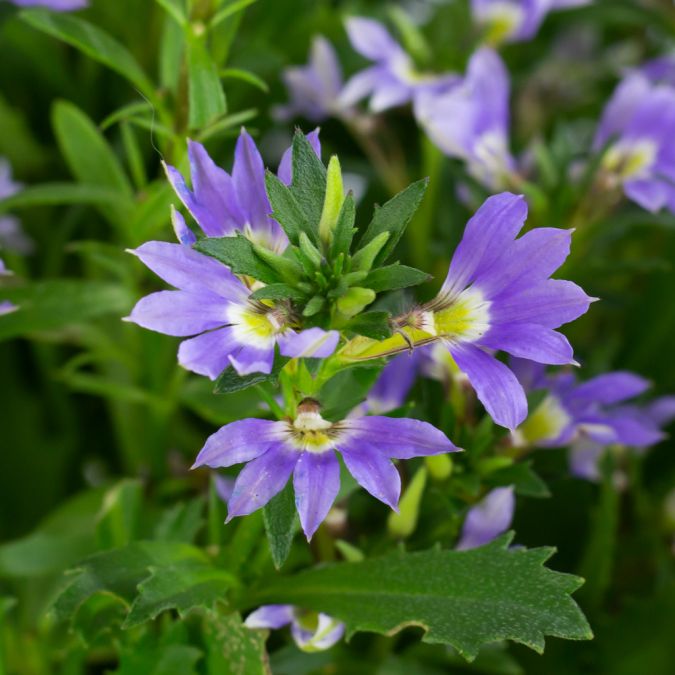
(88, 399)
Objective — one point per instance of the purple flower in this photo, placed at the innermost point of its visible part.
(470, 120)
(5, 306)
(12, 236)
(498, 296)
(314, 90)
(488, 519)
(56, 5)
(312, 631)
(224, 204)
(305, 447)
(637, 126)
(212, 304)
(392, 80)
(392, 386)
(515, 20)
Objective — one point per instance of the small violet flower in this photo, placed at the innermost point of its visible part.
(470, 120)
(5, 305)
(12, 237)
(515, 20)
(56, 5)
(637, 127)
(212, 303)
(488, 519)
(305, 447)
(311, 631)
(498, 296)
(393, 79)
(314, 90)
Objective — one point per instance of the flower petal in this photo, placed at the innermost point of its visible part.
(209, 354)
(310, 343)
(261, 479)
(611, 388)
(361, 85)
(488, 519)
(250, 359)
(373, 471)
(248, 177)
(285, 171)
(316, 481)
(371, 39)
(239, 441)
(395, 381)
(530, 341)
(270, 616)
(496, 386)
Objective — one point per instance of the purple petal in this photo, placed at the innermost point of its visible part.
(180, 313)
(395, 381)
(329, 636)
(310, 343)
(270, 616)
(224, 486)
(492, 228)
(240, 441)
(183, 233)
(248, 176)
(373, 471)
(585, 458)
(261, 479)
(285, 171)
(635, 432)
(488, 519)
(209, 354)
(316, 481)
(398, 437)
(56, 5)
(651, 195)
(662, 410)
(371, 39)
(531, 374)
(361, 85)
(189, 270)
(611, 388)
(530, 341)
(496, 386)
(6, 307)
(250, 359)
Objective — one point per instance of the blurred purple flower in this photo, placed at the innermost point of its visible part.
(488, 519)
(224, 204)
(470, 120)
(311, 631)
(392, 386)
(305, 447)
(314, 90)
(392, 80)
(638, 125)
(213, 304)
(498, 296)
(56, 5)
(515, 20)
(5, 306)
(12, 236)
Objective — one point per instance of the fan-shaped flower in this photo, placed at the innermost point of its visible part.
(311, 631)
(305, 447)
(487, 519)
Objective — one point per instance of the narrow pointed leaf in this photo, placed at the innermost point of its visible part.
(309, 182)
(281, 524)
(392, 277)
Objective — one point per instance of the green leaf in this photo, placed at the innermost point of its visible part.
(277, 292)
(287, 268)
(375, 325)
(119, 519)
(97, 616)
(229, 381)
(245, 76)
(181, 522)
(165, 659)
(345, 390)
(523, 478)
(394, 217)
(59, 304)
(238, 254)
(461, 598)
(285, 208)
(232, 648)
(180, 587)
(355, 300)
(309, 182)
(281, 524)
(332, 205)
(205, 92)
(54, 194)
(344, 228)
(92, 41)
(175, 9)
(363, 259)
(392, 277)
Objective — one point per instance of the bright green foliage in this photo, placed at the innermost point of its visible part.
(281, 524)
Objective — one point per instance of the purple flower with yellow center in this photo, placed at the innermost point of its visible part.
(56, 5)
(311, 631)
(636, 129)
(487, 519)
(314, 90)
(306, 448)
(515, 20)
(224, 204)
(214, 305)
(497, 296)
(392, 80)
(470, 120)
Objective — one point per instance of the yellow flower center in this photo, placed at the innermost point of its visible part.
(310, 432)
(254, 325)
(546, 423)
(630, 160)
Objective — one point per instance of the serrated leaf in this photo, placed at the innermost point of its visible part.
(277, 292)
(205, 92)
(344, 228)
(230, 381)
(94, 42)
(180, 587)
(461, 598)
(281, 524)
(394, 217)
(375, 325)
(238, 254)
(286, 209)
(309, 182)
(58, 304)
(392, 277)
